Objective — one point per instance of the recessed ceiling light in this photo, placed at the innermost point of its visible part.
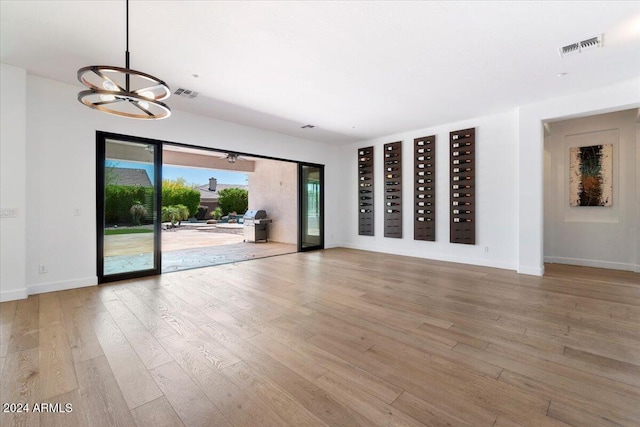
(195, 76)
(561, 74)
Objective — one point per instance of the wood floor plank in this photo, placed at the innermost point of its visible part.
(50, 310)
(188, 401)
(7, 311)
(610, 393)
(281, 402)
(157, 413)
(578, 416)
(132, 377)
(82, 339)
(376, 412)
(154, 323)
(310, 396)
(21, 385)
(5, 336)
(625, 417)
(436, 415)
(25, 330)
(144, 344)
(7, 315)
(235, 404)
(102, 399)
(57, 373)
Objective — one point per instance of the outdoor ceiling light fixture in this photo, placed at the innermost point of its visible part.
(123, 91)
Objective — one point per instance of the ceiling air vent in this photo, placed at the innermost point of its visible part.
(577, 47)
(186, 93)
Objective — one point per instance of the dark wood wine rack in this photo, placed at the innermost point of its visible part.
(392, 158)
(424, 205)
(463, 186)
(365, 192)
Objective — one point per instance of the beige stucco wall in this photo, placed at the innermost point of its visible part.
(273, 187)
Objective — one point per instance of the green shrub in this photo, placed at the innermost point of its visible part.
(178, 193)
(119, 200)
(217, 213)
(233, 200)
(175, 214)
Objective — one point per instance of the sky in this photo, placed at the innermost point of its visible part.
(197, 176)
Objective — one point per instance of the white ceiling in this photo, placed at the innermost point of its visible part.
(355, 70)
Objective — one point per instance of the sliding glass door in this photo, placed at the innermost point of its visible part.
(311, 207)
(128, 191)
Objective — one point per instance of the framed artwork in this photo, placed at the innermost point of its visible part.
(591, 175)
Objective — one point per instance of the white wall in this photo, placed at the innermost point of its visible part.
(496, 195)
(60, 175)
(637, 269)
(273, 186)
(12, 181)
(592, 236)
(622, 96)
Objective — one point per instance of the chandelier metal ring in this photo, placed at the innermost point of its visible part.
(122, 91)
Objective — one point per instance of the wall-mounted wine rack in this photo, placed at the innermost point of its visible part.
(463, 186)
(365, 192)
(424, 227)
(393, 189)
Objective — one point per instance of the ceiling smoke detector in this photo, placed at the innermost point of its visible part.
(577, 47)
(186, 93)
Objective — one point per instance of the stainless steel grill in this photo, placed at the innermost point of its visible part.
(255, 226)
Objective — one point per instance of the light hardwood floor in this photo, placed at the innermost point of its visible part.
(337, 337)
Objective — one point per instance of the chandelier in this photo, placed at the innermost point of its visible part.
(122, 91)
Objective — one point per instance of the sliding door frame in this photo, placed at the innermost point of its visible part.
(101, 143)
(301, 210)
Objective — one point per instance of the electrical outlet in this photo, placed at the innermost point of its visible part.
(76, 212)
(42, 269)
(486, 249)
(8, 212)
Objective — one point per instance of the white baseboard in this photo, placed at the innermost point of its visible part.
(435, 257)
(531, 271)
(13, 295)
(611, 265)
(62, 285)
(333, 245)
(42, 288)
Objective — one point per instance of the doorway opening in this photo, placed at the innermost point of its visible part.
(180, 207)
(228, 184)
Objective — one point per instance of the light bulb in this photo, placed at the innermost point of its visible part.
(109, 85)
(143, 104)
(107, 98)
(147, 94)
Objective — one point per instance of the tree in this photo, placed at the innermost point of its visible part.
(138, 211)
(233, 200)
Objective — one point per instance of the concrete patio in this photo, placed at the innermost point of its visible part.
(185, 248)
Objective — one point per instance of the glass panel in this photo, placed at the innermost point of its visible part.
(311, 206)
(130, 212)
